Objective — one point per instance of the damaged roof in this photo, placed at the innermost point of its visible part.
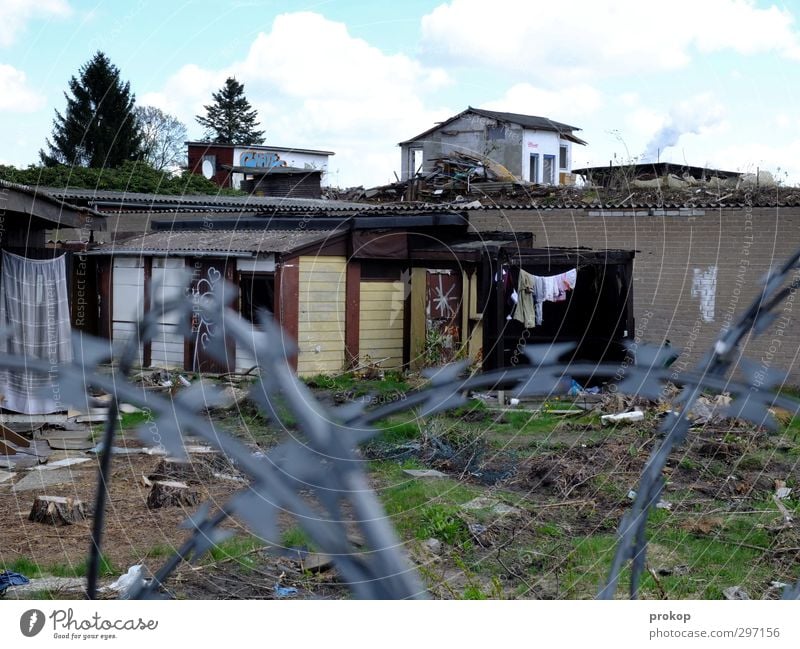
(533, 122)
(233, 242)
(139, 200)
(41, 204)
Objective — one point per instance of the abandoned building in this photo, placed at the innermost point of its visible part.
(44, 290)
(530, 148)
(271, 170)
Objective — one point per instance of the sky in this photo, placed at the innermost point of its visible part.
(708, 83)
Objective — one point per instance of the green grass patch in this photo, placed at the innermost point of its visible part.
(33, 570)
(239, 549)
(295, 537)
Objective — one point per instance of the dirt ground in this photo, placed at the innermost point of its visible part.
(528, 509)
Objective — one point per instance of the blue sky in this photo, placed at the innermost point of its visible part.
(706, 83)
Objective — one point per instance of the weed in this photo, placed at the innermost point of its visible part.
(442, 522)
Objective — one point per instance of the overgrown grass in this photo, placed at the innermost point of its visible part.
(239, 549)
(33, 570)
(392, 384)
(423, 508)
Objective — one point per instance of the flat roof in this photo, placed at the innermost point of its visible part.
(239, 242)
(259, 147)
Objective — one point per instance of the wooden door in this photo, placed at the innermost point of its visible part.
(443, 315)
(208, 277)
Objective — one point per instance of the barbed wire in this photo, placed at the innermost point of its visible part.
(317, 475)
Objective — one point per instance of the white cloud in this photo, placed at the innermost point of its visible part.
(342, 94)
(15, 95)
(15, 14)
(542, 41)
(566, 105)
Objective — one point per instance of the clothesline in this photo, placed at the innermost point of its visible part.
(534, 290)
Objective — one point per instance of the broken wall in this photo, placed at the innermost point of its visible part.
(471, 134)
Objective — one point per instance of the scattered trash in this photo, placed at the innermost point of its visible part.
(8, 578)
(675, 570)
(184, 381)
(129, 582)
(284, 591)
(51, 466)
(632, 495)
(622, 417)
(424, 473)
(735, 593)
(434, 546)
(663, 504)
(513, 401)
(476, 529)
(782, 492)
(128, 409)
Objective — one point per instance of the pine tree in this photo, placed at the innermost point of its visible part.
(98, 128)
(231, 119)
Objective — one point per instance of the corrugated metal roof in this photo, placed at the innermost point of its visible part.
(258, 147)
(42, 193)
(140, 200)
(176, 242)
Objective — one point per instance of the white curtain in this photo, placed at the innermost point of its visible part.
(35, 318)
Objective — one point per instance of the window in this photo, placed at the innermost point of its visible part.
(257, 293)
(533, 174)
(496, 132)
(549, 170)
(562, 157)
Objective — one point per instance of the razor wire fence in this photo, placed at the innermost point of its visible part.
(317, 475)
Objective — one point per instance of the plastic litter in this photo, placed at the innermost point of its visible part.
(8, 578)
(131, 580)
(284, 591)
(622, 417)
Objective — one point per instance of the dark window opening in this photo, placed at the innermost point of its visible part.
(534, 168)
(257, 293)
(381, 271)
(562, 157)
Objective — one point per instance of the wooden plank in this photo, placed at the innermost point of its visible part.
(419, 289)
(8, 435)
(352, 312)
(6, 449)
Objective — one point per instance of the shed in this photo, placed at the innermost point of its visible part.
(43, 290)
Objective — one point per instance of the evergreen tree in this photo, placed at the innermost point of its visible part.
(231, 119)
(98, 128)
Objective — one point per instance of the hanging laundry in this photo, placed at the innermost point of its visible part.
(551, 288)
(526, 304)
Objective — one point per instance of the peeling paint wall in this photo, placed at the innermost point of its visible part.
(704, 286)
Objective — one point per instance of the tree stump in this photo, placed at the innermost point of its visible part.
(172, 494)
(57, 510)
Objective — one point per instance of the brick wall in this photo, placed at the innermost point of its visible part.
(694, 272)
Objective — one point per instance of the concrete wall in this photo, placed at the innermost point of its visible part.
(543, 143)
(468, 134)
(695, 271)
